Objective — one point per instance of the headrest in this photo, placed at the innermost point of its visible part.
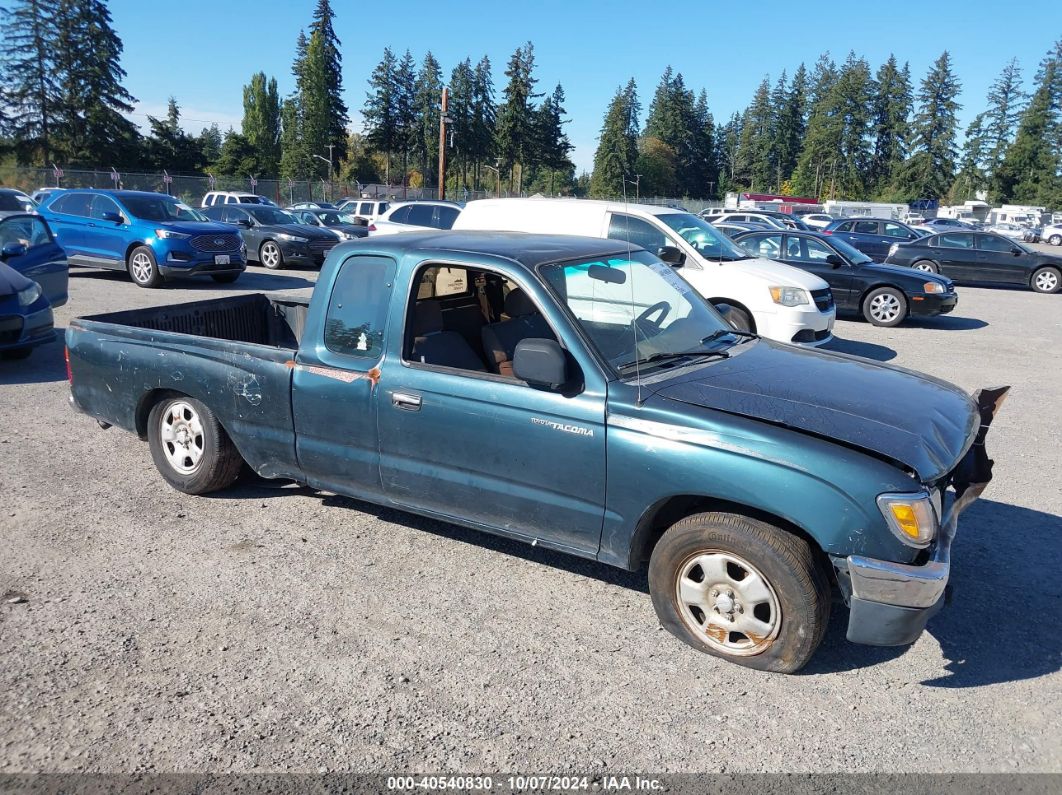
(427, 318)
(517, 304)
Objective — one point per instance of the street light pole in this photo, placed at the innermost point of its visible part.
(329, 161)
(443, 120)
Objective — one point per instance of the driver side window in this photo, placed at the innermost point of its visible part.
(638, 232)
(769, 246)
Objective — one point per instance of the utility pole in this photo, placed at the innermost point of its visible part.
(637, 187)
(443, 121)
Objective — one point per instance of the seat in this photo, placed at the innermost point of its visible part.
(432, 345)
(500, 339)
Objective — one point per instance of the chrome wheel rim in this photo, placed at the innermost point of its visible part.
(1046, 281)
(270, 255)
(885, 307)
(924, 266)
(728, 603)
(140, 267)
(181, 432)
(1056, 240)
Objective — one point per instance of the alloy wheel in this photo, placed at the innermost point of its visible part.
(140, 267)
(271, 255)
(1046, 281)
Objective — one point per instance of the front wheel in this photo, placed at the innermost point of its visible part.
(740, 319)
(1046, 280)
(1055, 240)
(885, 306)
(143, 269)
(190, 448)
(740, 589)
(270, 255)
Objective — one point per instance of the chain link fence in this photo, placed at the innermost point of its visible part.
(191, 188)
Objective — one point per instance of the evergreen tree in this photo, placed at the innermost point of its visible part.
(704, 168)
(929, 172)
(261, 121)
(461, 115)
(406, 110)
(514, 130)
(755, 166)
(380, 110)
(168, 146)
(553, 169)
(238, 156)
(293, 156)
(93, 129)
(210, 143)
(657, 167)
(1029, 173)
(789, 111)
(890, 113)
(851, 100)
(427, 103)
(617, 149)
(316, 121)
(338, 117)
(727, 143)
(1006, 101)
(673, 120)
(31, 92)
(976, 154)
(484, 117)
(818, 155)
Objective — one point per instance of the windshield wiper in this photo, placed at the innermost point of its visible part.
(724, 332)
(665, 355)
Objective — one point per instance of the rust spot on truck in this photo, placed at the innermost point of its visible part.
(716, 633)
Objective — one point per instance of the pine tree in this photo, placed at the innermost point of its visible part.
(461, 115)
(168, 146)
(929, 172)
(210, 143)
(484, 117)
(338, 117)
(427, 103)
(789, 110)
(976, 154)
(704, 168)
(93, 128)
(293, 156)
(852, 98)
(1006, 102)
(380, 110)
(617, 148)
(727, 143)
(890, 113)
(755, 165)
(261, 121)
(514, 130)
(553, 169)
(238, 156)
(406, 110)
(673, 120)
(818, 155)
(314, 104)
(31, 93)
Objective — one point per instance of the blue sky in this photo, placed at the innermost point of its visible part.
(204, 51)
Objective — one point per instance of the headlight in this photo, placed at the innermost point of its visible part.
(169, 234)
(789, 296)
(911, 517)
(29, 295)
(894, 248)
(933, 287)
(292, 238)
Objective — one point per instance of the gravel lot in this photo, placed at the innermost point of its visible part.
(273, 628)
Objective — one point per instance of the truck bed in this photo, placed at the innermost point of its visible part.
(233, 354)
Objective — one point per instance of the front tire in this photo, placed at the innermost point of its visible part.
(271, 256)
(143, 269)
(1055, 240)
(885, 307)
(1046, 280)
(740, 589)
(740, 319)
(926, 265)
(190, 449)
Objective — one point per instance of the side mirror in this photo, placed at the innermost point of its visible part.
(672, 256)
(540, 362)
(835, 260)
(1015, 251)
(114, 218)
(246, 223)
(12, 250)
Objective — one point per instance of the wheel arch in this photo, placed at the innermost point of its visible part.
(736, 305)
(877, 286)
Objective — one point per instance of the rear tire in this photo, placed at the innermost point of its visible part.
(190, 449)
(1055, 240)
(740, 589)
(225, 278)
(885, 307)
(926, 265)
(143, 269)
(270, 255)
(1046, 280)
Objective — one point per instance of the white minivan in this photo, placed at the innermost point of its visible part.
(771, 299)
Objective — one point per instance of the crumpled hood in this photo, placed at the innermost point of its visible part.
(11, 281)
(917, 420)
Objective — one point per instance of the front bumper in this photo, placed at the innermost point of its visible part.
(931, 304)
(201, 264)
(890, 603)
(805, 326)
(28, 330)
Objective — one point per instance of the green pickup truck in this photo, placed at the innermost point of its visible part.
(577, 394)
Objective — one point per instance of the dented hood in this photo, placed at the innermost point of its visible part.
(919, 421)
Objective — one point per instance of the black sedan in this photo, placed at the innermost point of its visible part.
(885, 295)
(345, 226)
(981, 257)
(872, 236)
(273, 237)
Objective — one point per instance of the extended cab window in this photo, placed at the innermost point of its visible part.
(357, 309)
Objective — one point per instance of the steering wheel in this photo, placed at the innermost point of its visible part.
(663, 307)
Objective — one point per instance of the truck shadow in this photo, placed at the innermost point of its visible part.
(1002, 623)
(44, 365)
(254, 279)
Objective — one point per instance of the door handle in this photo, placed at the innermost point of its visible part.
(406, 401)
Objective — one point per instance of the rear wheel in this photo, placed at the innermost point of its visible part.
(1055, 240)
(143, 269)
(190, 448)
(270, 255)
(1046, 280)
(885, 306)
(225, 278)
(926, 265)
(740, 589)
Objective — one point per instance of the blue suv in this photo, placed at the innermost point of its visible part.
(151, 236)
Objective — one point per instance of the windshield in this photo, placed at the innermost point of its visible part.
(849, 252)
(160, 208)
(636, 308)
(270, 215)
(335, 219)
(709, 241)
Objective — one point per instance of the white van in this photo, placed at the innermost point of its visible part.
(771, 299)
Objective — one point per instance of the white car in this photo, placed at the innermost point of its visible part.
(369, 209)
(415, 216)
(215, 197)
(1012, 231)
(774, 300)
(817, 220)
(1052, 234)
(743, 217)
(14, 202)
(914, 219)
